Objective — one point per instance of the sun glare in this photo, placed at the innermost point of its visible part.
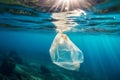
(66, 5)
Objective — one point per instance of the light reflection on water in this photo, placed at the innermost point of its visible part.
(66, 20)
(74, 21)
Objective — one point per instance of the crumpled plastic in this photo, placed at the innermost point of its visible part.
(65, 53)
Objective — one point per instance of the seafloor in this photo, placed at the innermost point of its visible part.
(13, 67)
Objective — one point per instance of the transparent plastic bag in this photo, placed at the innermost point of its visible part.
(65, 53)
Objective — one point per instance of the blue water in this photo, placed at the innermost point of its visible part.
(97, 35)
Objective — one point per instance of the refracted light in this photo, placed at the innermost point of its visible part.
(67, 4)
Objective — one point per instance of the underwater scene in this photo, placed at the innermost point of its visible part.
(59, 39)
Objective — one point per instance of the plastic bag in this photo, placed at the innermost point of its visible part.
(64, 53)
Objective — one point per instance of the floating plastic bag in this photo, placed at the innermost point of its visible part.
(64, 53)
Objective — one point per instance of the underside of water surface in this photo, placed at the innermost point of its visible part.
(28, 28)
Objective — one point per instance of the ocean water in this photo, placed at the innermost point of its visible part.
(31, 34)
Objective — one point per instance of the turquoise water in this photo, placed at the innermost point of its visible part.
(31, 35)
